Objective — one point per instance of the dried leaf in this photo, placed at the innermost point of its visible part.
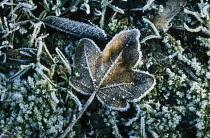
(163, 19)
(78, 29)
(111, 73)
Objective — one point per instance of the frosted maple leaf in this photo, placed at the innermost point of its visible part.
(111, 74)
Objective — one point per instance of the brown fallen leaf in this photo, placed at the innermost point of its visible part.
(110, 75)
(111, 72)
(170, 10)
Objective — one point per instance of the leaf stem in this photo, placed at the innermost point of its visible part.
(79, 115)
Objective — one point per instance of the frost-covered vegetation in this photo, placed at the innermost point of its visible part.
(36, 99)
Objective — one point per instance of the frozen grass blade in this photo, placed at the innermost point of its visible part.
(64, 60)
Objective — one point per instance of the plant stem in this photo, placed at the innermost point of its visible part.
(79, 115)
(102, 18)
